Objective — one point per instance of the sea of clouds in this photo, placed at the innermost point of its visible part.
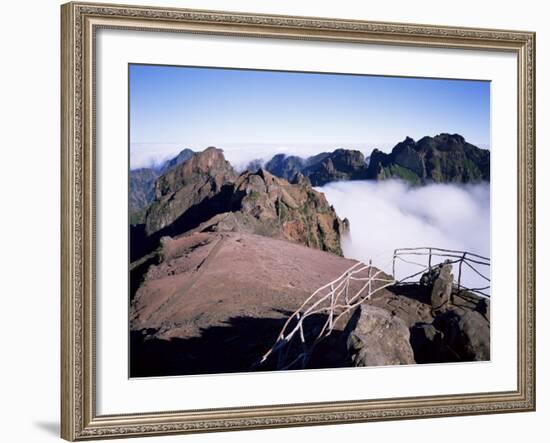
(390, 214)
(146, 155)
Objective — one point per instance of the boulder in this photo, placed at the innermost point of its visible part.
(442, 288)
(466, 335)
(375, 337)
(429, 345)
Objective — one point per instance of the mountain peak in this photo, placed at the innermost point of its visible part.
(443, 158)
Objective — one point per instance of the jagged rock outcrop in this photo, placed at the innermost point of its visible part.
(460, 333)
(267, 205)
(445, 158)
(190, 193)
(442, 287)
(205, 190)
(376, 337)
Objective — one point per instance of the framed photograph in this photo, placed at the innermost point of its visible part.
(281, 221)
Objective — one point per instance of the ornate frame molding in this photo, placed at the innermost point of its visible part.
(79, 420)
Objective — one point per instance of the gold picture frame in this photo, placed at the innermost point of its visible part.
(79, 22)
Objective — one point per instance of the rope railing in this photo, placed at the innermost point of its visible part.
(469, 259)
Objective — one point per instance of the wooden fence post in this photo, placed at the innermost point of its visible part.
(370, 280)
(460, 271)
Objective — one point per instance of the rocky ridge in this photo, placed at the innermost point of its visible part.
(206, 190)
(445, 158)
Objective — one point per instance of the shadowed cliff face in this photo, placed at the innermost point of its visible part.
(342, 164)
(186, 186)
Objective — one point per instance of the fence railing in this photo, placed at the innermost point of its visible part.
(334, 300)
(294, 344)
(476, 263)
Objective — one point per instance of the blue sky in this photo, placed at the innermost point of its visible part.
(175, 107)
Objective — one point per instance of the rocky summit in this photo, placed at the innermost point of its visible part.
(444, 158)
(293, 211)
(206, 191)
(190, 193)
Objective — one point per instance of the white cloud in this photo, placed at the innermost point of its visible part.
(147, 155)
(388, 215)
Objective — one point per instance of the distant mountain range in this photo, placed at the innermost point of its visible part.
(341, 164)
(445, 158)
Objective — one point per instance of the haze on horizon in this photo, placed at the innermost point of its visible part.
(172, 108)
